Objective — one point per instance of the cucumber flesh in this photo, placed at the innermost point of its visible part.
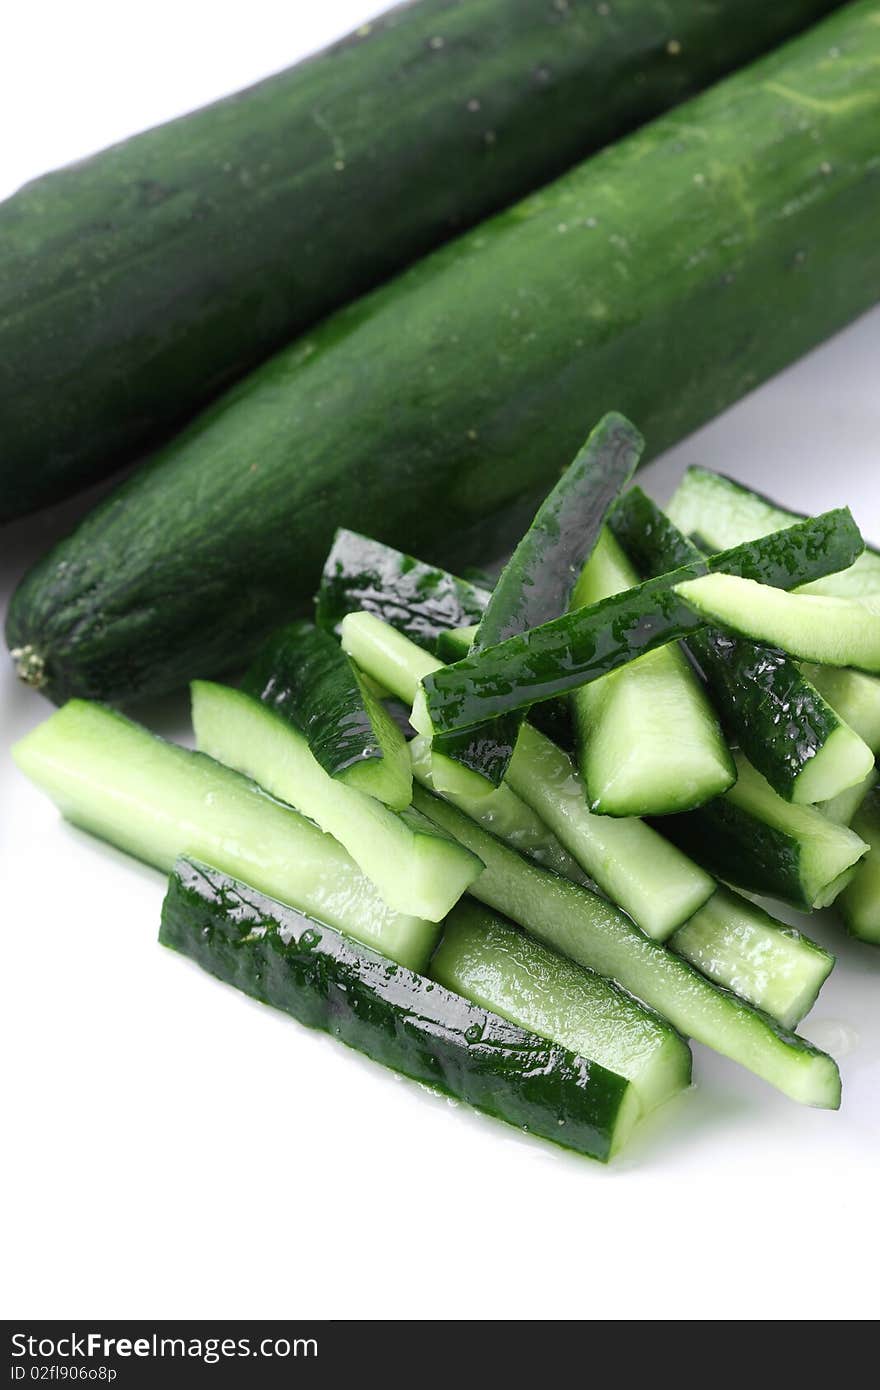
(860, 899)
(401, 1019)
(814, 627)
(843, 807)
(735, 943)
(648, 741)
(594, 933)
(158, 801)
(854, 696)
(490, 961)
(415, 870)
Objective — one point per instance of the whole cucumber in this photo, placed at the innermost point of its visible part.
(664, 277)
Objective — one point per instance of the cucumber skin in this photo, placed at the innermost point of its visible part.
(723, 252)
(403, 1020)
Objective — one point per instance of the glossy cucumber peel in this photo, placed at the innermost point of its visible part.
(788, 731)
(562, 655)
(528, 335)
(815, 627)
(403, 1020)
(648, 741)
(594, 933)
(157, 801)
(414, 870)
(536, 583)
(484, 957)
(735, 943)
(752, 838)
(304, 677)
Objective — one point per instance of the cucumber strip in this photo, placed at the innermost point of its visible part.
(594, 933)
(415, 870)
(403, 1020)
(537, 581)
(726, 513)
(815, 627)
(854, 696)
(552, 717)
(570, 651)
(843, 807)
(738, 945)
(860, 900)
(490, 961)
(752, 838)
(157, 801)
(648, 741)
(419, 600)
(787, 730)
(302, 675)
(455, 643)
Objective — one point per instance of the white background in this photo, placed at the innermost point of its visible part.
(175, 1150)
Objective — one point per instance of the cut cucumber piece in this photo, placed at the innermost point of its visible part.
(814, 627)
(725, 513)
(415, 870)
(854, 696)
(860, 900)
(842, 808)
(752, 838)
(738, 945)
(403, 1020)
(157, 801)
(594, 933)
(302, 674)
(780, 721)
(581, 646)
(488, 960)
(552, 717)
(648, 742)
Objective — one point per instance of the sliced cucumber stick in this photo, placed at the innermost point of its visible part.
(854, 696)
(488, 960)
(843, 807)
(860, 899)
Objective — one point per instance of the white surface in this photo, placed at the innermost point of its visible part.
(174, 1150)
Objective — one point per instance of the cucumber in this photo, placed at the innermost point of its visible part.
(537, 581)
(816, 627)
(778, 718)
(157, 801)
(842, 808)
(860, 900)
(737, 944)
(403, 1020)
(594, 933)
(726, 513)
(415, 870)
(648, 742)
(435, 412)
(488, 960)
(581, 646)
(855, 698)
(752, 838)
(302, 675)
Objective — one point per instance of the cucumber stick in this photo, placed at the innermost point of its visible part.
(843, 807)
(854, 696)
(415, 870)
(401, 1019)
(157, 801)
(532, 324)
(860, 899)
(594, 933)
(488, 960)
(648, 741)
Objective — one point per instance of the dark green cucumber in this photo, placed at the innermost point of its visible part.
(581, 646)
(157, 801)
(860, 899)
(552, 717)
(752, 838)
(669, 274)
(306, 678)
(536, 583)
(594, 933)
(784, 726)
(403, 1020)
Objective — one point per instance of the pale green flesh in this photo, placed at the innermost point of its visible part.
(158, 801)
(814, 627)
(414, 870)
(842, 763)
(825, 850)
(854, 697)
(738, 945)
(594, 933)
(725, 515)
(860, 900)
(494, 964)
(648, 740)
(842, 808)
